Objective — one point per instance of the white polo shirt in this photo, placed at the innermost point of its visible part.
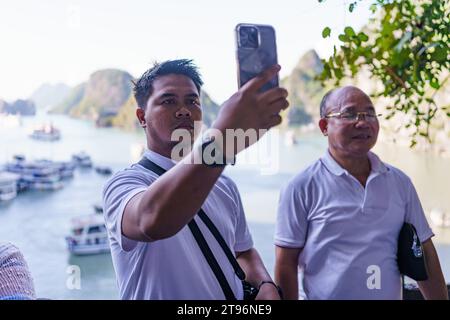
(173, 268)
(348, 233)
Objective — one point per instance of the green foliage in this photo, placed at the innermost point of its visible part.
(406, 47)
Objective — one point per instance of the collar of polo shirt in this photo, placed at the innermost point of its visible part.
(377, 165)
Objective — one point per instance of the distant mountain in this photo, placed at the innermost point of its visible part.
(305, 92)
(101, 96)
(107, 99)
(210, 109)
(126, 117)
(72, 99)
(3, 106)
(105, 93)
(22, 107)
(49, 95)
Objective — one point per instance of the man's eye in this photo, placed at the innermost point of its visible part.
(348, 115)
(194, 102)
(168, 101)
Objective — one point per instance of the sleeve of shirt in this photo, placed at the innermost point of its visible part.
(244, 239)
(291, 226)
(416, 216)
(116, 195)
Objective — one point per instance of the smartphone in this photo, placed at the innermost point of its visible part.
(256, 50)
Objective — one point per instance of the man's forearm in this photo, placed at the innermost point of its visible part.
(253, 266)
(286, 271)
(174, 199)
(287, 279)
(434, 288)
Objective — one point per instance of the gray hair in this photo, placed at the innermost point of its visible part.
(324, 102)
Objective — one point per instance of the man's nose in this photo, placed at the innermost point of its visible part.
(362, 121)
(183, 112)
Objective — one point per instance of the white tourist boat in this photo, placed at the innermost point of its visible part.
(88, 235)
(38, 175)
(65, 168)
(46, 133)
(8, 185)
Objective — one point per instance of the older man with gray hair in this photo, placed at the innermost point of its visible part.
(339, 219)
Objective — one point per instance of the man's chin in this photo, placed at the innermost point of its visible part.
(361, 150)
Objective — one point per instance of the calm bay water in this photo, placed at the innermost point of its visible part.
(37, 222)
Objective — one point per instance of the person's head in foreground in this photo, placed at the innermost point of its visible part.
(16, 282)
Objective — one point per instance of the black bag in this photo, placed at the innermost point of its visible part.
(410, 256)
(250, 292)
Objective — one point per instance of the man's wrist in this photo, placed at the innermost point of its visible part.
(269, 282)
(211, 151)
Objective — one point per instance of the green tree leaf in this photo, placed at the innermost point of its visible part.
(349, 31)
(363, 37)
(351, 7)
(343, 38)
(440, 54)
(434, 83)
(326, 32)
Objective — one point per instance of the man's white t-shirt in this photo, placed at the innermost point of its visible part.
(173, 268)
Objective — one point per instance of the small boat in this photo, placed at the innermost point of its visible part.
(19, 157)
(103, 170)
(8, 185)
(98, 208)
(82, 160)
(88, 235)
(46, 133)
(66, 169)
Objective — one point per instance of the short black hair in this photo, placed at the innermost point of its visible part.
(324, 102)
(143, 87)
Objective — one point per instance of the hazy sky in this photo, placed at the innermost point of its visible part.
(65, 41)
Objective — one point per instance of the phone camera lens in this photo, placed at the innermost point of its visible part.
(249, 37)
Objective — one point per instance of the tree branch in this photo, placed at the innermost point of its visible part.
(395, 76)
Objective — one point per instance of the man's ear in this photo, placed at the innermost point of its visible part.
(323, 125)
(140, 114)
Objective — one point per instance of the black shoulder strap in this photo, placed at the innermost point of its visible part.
(209, 256)
(216, 233)
(150, 165)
